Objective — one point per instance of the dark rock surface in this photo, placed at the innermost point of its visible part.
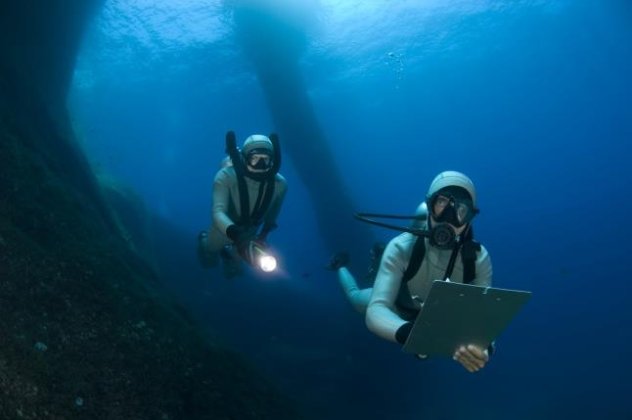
(85, 329)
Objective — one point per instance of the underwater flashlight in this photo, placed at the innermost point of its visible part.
(267, 263)
(259, 256)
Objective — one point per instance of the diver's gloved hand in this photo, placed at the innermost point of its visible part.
(250, 251)
(243, 249)
(401, 336)
(338, 260)
(237, 234)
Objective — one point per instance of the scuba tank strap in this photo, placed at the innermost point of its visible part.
(233, 152)
(450, 267)
(265, 195)
(266, 192)
(238, 166)
(260, 195)
(244, 201)
(266, 188)
(416, 258)
(469, 253)
(468, 250)
(468, 257)
(404, 301)
(276, 159)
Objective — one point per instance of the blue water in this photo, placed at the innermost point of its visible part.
(532, 99)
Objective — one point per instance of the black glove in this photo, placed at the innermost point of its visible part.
(402, 333)
(491, 349)
(236, 233)
(243, 249)
(337, 261)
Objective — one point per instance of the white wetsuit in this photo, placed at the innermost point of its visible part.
(382, 316)
(226, 208)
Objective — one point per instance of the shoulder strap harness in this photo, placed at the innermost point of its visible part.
(266, 185)
(468, 249)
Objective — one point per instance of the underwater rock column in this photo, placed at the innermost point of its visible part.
(274, 46)
(39, 41)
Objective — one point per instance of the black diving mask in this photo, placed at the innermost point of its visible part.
(454, 209)
(259, 162)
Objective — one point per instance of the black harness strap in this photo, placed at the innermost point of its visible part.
(260, 195)
(450, 268)
(404, 301)
(263, 200)
(238, 166)
(266, 186)
(468, 249)
(244, 200)
(417, 256)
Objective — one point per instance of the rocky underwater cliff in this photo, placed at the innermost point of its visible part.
(86, 329)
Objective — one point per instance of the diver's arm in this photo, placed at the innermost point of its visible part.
(221, 198)
(381, 318)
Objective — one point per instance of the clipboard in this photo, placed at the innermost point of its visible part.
(455, 314)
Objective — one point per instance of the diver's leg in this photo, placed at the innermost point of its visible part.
(210, 245)
(231, 262)
(222, 248)
(359, 298)
(206, 257)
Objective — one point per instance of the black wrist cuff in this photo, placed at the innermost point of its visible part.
(233, 232)
(491, 349)
(402, 333)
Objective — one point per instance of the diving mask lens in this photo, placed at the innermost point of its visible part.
(259, 161)
(448, 209)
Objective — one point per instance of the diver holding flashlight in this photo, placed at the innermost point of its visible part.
(248, 193)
